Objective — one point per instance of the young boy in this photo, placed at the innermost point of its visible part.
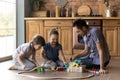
(95, 53)
(23, 52)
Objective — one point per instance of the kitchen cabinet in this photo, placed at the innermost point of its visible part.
(119, 41)
(111, 31)
(32, 28)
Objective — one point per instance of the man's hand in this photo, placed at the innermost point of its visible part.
(103, 71)
(71, 59)
(65, 62)
(49, 61)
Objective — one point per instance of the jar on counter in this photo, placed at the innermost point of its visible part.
(57, 11)
(68, 12)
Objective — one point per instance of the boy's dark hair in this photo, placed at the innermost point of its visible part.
(38, 39)
(54, 31)
(79, 23)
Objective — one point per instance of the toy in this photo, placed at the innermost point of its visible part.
(80, 68)
(40, 69)
(52, 68)
(75, 66)
(60, 69)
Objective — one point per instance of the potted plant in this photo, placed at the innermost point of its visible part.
(37, 4)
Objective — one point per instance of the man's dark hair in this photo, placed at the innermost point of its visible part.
(79, 23)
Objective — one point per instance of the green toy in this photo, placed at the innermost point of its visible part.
(40, 69)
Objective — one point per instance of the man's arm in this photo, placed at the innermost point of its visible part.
(82, 54)
(101, 56)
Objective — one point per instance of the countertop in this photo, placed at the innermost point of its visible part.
(47, 18)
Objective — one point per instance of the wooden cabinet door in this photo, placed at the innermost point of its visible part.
(66, 39)
(119, 41)
(111, 36)
(33, 28)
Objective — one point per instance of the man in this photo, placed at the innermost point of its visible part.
(95, 53)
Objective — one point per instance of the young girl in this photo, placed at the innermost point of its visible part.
(52, 50)
(23, 52)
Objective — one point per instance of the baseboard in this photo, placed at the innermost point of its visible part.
(6, 58)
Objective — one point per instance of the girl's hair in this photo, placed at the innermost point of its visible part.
(54, 31)
(38, 39)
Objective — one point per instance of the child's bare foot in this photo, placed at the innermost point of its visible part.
(13, 67)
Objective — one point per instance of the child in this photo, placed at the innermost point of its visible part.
(52, 50)
(95, 53)
(23, 52)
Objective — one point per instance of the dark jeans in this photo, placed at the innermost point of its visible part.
(88, 62)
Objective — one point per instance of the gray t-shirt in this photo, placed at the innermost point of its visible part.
(26, 49)
(92, 37)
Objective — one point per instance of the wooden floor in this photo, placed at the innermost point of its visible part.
(114, 73)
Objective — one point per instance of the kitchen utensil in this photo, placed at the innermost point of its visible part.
(84, 10)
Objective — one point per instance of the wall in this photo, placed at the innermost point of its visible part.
(20, 32)
(95, 5)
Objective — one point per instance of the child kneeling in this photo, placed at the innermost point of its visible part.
(23, 52)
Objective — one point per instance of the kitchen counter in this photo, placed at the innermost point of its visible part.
(42, 18)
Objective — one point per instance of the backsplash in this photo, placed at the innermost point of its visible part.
(95, 5)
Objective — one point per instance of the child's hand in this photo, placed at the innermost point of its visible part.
(65, 62)
(49, 61)
(23, 66)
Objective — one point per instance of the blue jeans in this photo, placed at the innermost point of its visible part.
(86, 61)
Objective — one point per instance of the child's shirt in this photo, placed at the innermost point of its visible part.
(25, 49)
(92, 37)
(52, 53)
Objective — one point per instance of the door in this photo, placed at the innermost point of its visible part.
(33, 28)
(66, 39)
(111, 35)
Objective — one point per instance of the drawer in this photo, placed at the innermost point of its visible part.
(58, 23)
(94, 22)
(111, 23)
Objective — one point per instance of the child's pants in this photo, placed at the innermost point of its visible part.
(53, 64)
(29, 65)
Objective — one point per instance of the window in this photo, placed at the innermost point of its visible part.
(7, 27)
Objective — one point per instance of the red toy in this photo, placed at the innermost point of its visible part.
(60, 69)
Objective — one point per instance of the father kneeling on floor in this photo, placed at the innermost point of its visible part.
(96, 53)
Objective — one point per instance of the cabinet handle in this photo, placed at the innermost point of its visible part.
(59, 23)
(118, 22)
